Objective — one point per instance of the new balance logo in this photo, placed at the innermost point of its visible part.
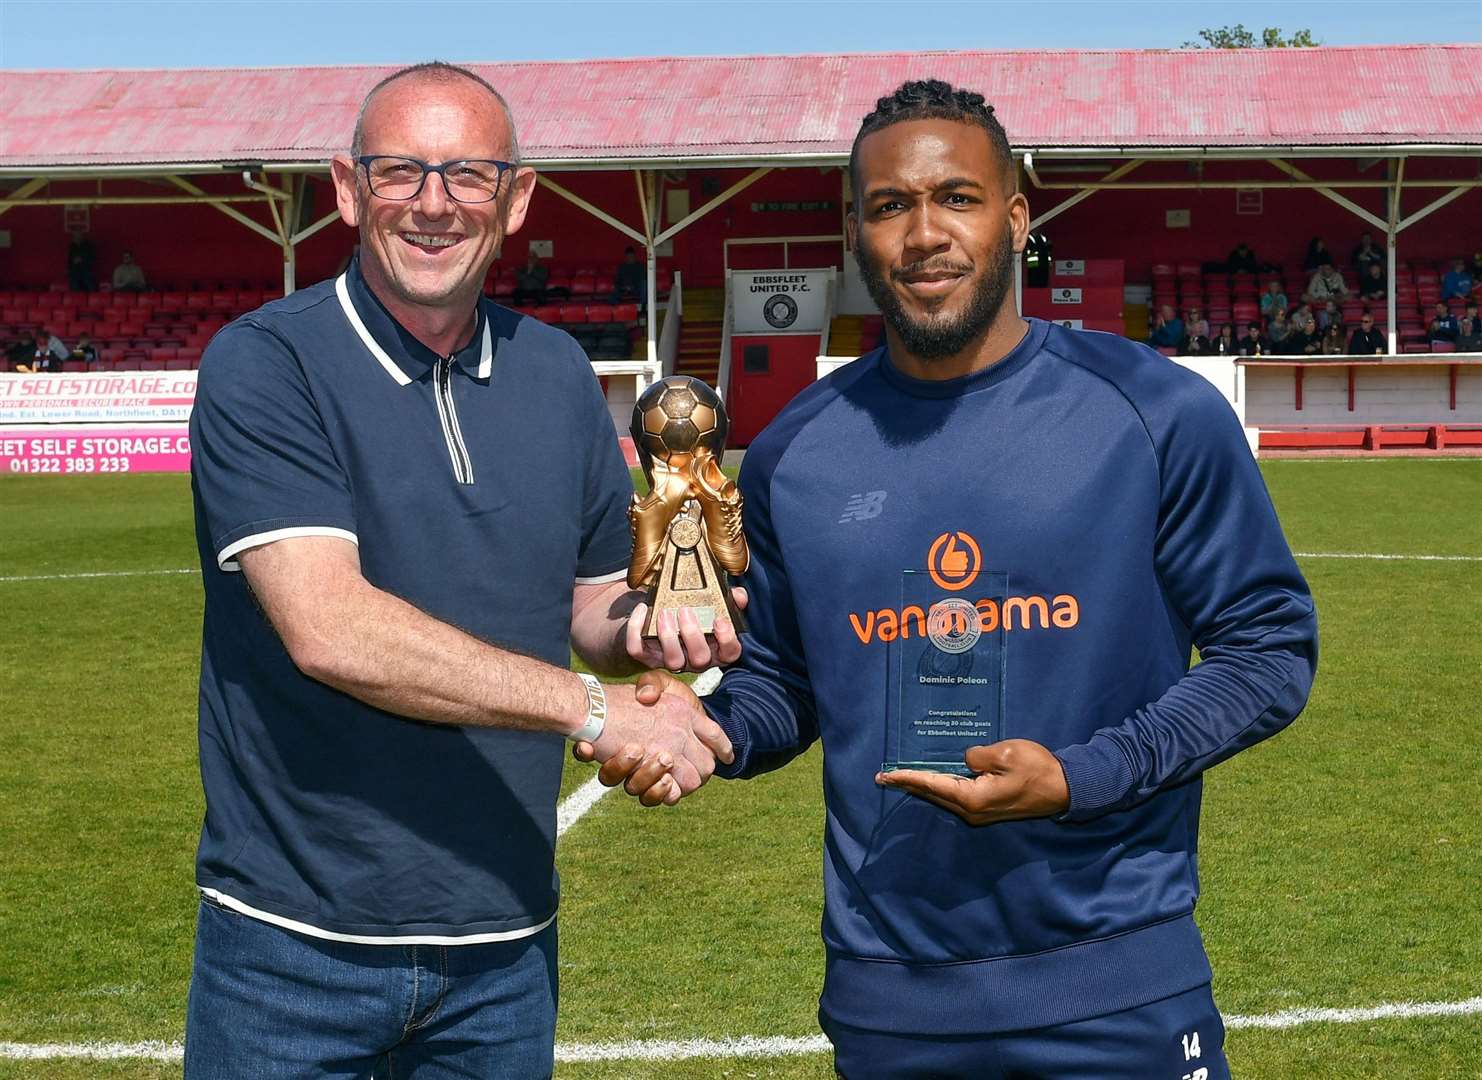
(862, 506)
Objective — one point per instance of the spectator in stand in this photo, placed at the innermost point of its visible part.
(128, 275)
(81, 260)
(1326, 284)
(631, 280)
(47, 353)
(1242, 260)
(1273, 299)
(1367, 255)
(1372, 285)
(1317, 255)
(84, 350)
(1226, 344)
(1168, 329)
(1304, 337)
(530, 281)
(1443, 324)
(20, 353)
(1476, 266)
(1195, 344)
(1327, 315)
(1366, 340)
(1250, 342)
(1278, 333)
(1334, 339)
(1457, 282)
(1469, 330)
(1196, 325)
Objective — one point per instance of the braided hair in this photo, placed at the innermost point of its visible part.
(932, 99)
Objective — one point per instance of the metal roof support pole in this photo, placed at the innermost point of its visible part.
(19, 194)
(285, 241)
(1432, 207)
(235, 215)
(1080, 196)
(1391, 231)
(648, 198)
(695, 215)
(308, 231)
(1347, 203)
(600, 214)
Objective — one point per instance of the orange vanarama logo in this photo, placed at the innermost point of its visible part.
(954, 562)
(951, 566)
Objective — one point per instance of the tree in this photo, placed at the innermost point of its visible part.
(1238, 37)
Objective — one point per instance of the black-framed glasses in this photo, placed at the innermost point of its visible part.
(468, 180)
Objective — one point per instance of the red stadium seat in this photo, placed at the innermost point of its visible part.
(74, 365)
(1442, 346)
(599, 313)
(548, 313)
(573, 313)
(603, 285)
(189, 355)
(625, 313)
(663, 280)
(583, 283)
(180, 363)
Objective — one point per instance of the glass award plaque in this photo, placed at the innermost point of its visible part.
(945, 682)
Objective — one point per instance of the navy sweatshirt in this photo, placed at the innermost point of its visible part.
(1117, 493)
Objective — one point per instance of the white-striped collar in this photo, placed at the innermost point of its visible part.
(395, 369)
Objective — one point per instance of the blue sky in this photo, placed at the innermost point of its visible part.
(218, 33)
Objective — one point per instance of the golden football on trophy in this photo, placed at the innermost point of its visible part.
(687, 530)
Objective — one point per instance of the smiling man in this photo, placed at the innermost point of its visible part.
(410, 507)
(1090, 511)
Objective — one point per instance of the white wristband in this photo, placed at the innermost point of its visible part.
(591, 731)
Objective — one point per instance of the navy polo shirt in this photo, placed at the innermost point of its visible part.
(479, 487)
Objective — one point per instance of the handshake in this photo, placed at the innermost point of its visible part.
(658, 741)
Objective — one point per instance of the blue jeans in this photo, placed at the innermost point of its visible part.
(267, 1003)
(1178, 1038)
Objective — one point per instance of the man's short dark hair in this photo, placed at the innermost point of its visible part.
(932, 99)
(439, 71)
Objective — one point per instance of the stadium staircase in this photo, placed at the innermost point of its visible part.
(853, 335)
(700, 336)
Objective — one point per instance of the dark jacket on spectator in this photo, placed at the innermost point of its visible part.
(1367, 342)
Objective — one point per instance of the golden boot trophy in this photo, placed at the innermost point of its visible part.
(687, 530)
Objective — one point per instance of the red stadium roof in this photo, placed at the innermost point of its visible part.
(760, 109)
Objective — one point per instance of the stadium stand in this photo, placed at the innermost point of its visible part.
(168, 329)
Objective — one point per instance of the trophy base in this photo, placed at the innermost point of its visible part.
(690, 579)
(958, 768)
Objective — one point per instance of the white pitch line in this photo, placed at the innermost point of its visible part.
(1400, 1010)
(1398, 558)
(578, 803)
(749, 1046)
(745, 1046)
(95, 574)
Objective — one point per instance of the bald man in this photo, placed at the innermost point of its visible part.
(410, 507)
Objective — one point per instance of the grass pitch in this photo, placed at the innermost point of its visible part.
(1340, 861)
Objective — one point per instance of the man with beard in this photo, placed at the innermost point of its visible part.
(1099, 510)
